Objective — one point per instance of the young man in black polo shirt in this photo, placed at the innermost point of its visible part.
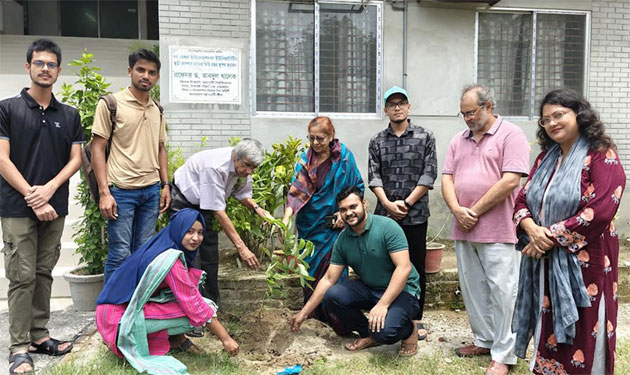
(40, 149)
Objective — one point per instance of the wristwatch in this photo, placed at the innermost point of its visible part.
(167, 183)
(406, 203)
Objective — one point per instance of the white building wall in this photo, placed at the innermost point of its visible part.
(440, 62)
(110, 55)
(212, 24)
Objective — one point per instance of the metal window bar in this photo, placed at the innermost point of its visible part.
(347, 58)
(558, 50)
(284, 57)
(503, 59)
(560, 53)
(342, 67)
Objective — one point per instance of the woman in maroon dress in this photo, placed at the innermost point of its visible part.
(567, 299)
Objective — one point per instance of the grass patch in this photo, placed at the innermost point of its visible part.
(390, 364)
(105, 362)
(436, 364)
(622, 362)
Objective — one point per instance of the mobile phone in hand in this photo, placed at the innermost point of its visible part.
(329, 221)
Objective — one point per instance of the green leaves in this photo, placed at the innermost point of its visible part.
(291, 259)
(83, 94)
(270, 185)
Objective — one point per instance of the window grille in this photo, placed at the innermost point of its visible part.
(560, 42)
(284, 56)
(523, 55)
(317, 57)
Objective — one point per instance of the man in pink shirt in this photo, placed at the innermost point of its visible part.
(480, 180)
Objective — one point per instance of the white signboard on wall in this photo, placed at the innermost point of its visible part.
(205, 75)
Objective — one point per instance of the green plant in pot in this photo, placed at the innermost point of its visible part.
(91, 234)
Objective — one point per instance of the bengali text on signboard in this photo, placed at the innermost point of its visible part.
(205, 75)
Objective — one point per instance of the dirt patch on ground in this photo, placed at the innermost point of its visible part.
(267, 344)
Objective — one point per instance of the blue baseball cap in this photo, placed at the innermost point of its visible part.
(395, 90)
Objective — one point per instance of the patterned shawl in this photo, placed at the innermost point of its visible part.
(308, 177)
(566, 285)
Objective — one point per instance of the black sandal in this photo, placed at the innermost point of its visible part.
(195, 332)
(50, 347)
(185, 346)
(17, 359)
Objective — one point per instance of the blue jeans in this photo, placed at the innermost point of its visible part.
(137, 216)
(348, 299)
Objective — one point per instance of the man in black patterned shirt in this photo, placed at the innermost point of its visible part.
(402, 169)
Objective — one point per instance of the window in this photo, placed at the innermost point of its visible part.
(124, 19)
(316, 57)
(523, 55)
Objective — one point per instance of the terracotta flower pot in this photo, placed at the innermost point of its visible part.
(433, 259)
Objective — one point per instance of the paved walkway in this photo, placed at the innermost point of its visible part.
(65, 324)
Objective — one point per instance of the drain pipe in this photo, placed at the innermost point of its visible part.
(404, 57)
(396, 5)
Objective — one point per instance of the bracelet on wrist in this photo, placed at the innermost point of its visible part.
(166, 183)
(407, 203)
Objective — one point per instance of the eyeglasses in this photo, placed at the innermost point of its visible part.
(470, 113)
(555, 117)
(39, 64)
(312, 139)
(400, 104)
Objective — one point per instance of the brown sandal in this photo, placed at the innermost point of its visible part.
(354, 346)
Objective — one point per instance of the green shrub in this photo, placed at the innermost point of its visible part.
(270, 185)
(83, 94)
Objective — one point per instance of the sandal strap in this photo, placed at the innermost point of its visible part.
(18, 359)
(50, 345)
(184, 346)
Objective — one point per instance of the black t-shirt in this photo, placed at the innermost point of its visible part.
(40, 141)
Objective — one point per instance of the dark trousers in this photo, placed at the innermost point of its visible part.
(208, 259)
(417, 239)
(348, 300)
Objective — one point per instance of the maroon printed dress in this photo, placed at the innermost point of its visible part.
(590, 234)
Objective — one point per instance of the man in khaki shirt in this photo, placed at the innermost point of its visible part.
(129, 180)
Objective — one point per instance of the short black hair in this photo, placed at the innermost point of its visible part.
(144, 54)
(345, 192)
(43, 44)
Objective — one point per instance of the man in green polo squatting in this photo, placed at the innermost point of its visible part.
(388, 285)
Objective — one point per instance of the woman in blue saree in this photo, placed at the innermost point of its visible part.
(325, 168)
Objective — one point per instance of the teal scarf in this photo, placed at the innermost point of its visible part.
(566, 285)
(132, 331)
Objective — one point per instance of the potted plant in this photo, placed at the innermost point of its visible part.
(433, 260)
(435, 250)
(86, 281)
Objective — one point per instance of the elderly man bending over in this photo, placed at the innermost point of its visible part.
(205, 182)
(376, 248)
